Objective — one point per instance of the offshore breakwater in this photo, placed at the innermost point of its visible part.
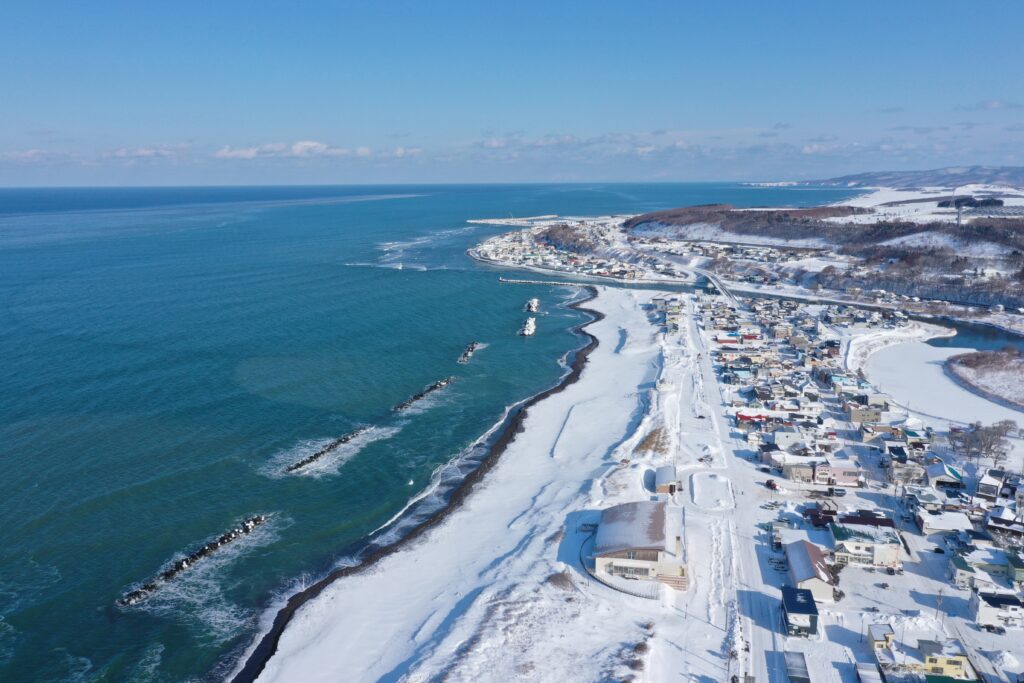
(381, 544)
(137, 595)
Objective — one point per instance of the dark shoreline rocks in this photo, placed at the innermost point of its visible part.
(436, 386)
(326, 449)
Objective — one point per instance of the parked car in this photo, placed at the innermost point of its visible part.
(837, 492)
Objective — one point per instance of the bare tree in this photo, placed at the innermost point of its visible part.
(979, 441)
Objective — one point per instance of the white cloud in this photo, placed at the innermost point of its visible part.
(991, 105)
(303, 149)
(131, 154)
(30, 155)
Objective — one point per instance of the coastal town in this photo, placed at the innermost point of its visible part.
(747, 477)
(869, 542)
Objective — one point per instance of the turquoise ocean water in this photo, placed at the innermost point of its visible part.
(167, 352)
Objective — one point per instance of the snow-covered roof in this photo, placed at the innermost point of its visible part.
(666, 474)
(941, 470)
(945, 521)
(646, 525)
(798, 601)
(807, 561)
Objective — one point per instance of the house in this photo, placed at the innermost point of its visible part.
(796, 667)
(786, 437)
(642, 541)
(858, 413)
(666, 480)
(837, 473)
(996, 609)
(990, 486)
(941, 475)
(799, 611)
(918, 653)
(869, 673)
(935, 522)
(808, 569)
(1015, 566)
(980, 568)
(865, 538)
(1006, 521)
(881, 636)
(918, 498)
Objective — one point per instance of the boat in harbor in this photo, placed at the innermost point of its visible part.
(529, 327)
(533, 305)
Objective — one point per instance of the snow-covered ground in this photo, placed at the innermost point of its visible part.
(861, 344)
(708, 232)
(1004, 382)
(497, 592)
(913, 375)
(472, 598)
(922, 205)
(938, 240)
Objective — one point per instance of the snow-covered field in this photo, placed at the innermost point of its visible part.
(708, 232)
(1005, 382)
(922, 205)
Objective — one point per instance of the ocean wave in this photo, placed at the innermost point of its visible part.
(332, 461)
(435, 496)
(396, 265)
(22, 580)
(146, 670)
(397, 251)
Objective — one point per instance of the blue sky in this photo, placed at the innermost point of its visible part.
(109, 93)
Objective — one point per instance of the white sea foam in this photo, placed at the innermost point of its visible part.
(197, 596)
(147, 668)
(398, 251)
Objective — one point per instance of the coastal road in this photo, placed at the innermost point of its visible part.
(758, 609)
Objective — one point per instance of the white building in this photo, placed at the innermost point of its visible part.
(997, 609)
(808, 569)
(642, 541)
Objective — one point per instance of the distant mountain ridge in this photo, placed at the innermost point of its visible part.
(950, 176)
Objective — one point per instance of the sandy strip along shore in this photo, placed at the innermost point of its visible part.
(267, 645)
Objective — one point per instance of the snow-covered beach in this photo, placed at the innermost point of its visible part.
(479, 575)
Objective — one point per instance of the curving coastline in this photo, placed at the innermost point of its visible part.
(267, 645)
